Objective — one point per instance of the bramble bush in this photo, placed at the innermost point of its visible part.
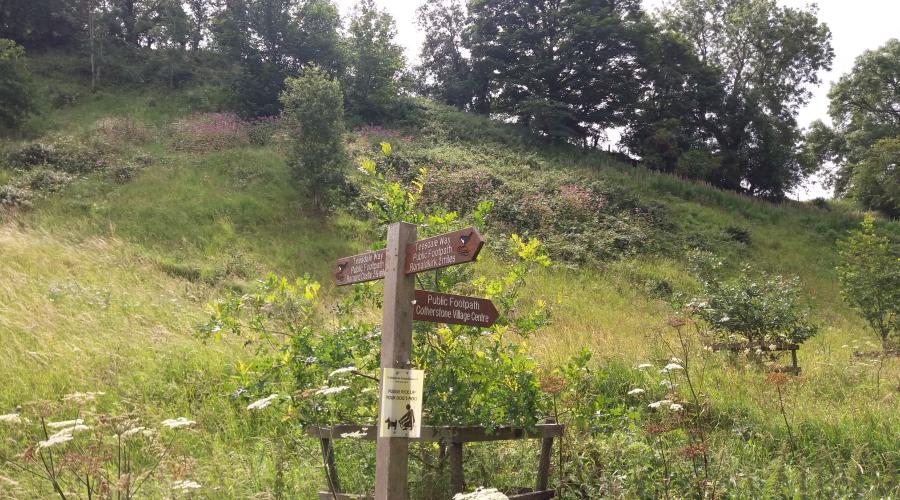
(207, 132)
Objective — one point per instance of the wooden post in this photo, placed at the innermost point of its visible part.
(334, 483)
(543, 475)
(457, 479)
(392, 454)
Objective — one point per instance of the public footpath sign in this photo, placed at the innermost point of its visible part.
(400, 406)
(454, 309)
(401, 403)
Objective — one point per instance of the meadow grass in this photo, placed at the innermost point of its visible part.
(102, 286)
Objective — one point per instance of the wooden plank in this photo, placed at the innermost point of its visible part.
(392, 454)
(534, 495)
(737, 346)
(457, 477)
(360, 268)
(327, 495)
(334, 484)
(448, 434)
(448, 249)
(453, 309)
(543, 474)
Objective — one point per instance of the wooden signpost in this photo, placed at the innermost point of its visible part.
(397, 265)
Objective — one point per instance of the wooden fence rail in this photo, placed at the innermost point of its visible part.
(455, 438)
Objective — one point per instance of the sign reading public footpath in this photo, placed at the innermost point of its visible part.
(360, 268)
(401, 403)
(455, 309)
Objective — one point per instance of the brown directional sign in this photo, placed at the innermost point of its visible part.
(455, 309)
(444, 250)
(360, 268)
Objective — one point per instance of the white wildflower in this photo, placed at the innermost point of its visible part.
(664, 402)
(666, 383)
(724, 319)
(186, 485)
(12, 418)
(674, 360)
(643, 366)
(325, 391)
(481, 494)
(354, 435)
(673, 366)
(65, 423)
(346, 369)
(82, 397)
(262, 403)
(63, 436)
(635, 391)
(131, 432)
(675, 407)
(174, 423)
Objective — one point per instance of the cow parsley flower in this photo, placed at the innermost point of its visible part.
(325, 391)
(262, 403)
(675, 407)
(63, 436)
(657, 404)
(186, 485)
(482, 494)
(82, 397)
(672, 366)
(12, 418)
(635, 391)
(339, 371)
(175, 423)
(354, 435)
(131, 432)
(65, 423)
(643, 366)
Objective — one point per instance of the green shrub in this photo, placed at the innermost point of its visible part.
(753, 307)
(738, 234)
(14, 197)
(65, 154)
(313, 110)
(48, 180)
(869, 274)
(16, 100)
(123, 173)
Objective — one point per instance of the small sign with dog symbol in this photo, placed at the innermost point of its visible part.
(401, 403)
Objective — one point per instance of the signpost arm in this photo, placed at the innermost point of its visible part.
(392, 454)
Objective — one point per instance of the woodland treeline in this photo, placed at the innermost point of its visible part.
(706, 89)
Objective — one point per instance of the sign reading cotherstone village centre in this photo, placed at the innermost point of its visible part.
(400, 407)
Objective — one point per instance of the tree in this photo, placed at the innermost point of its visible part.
(375, 63)
(875, 181)
(444, 73)
(558, 66)
(869, 273)
(313, 107)
(864, 109)
(16, 100)
(764, 56)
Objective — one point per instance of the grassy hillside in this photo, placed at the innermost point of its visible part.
(103, 282)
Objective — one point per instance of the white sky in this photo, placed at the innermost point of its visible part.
(856, 26)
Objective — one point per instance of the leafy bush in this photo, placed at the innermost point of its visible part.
(123, 173)
(206, 132)
(14, 197)
(48, 180)
(752, 307)
(869, 274)
(738, 234)
(264, 130)
(16, 101)
(65, 153)
(475, 376)
(875, 183)
(313, 109)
